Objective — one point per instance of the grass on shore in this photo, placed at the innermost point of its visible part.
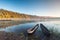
(55, 35)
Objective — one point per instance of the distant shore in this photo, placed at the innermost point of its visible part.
(6, 23)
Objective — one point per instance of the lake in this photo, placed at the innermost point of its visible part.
(22, 28)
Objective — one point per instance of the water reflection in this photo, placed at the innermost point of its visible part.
(22, 28)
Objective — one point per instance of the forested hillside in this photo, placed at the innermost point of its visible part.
(6, 15)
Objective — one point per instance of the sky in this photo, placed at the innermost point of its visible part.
(33, 7)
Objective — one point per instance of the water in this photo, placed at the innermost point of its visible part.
(26, 26)
(22, 28)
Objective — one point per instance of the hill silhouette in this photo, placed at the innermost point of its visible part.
(4, 14)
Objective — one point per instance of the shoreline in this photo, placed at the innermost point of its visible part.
(4, 24)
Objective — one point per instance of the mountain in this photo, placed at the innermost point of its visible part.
(8, 15)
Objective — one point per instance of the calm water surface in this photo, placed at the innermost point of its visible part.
(24, 27)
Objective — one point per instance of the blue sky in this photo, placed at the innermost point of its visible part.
(32, 7)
